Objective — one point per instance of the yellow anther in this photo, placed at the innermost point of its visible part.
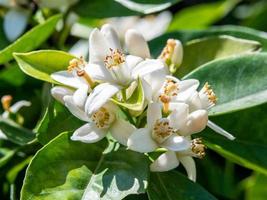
(198, 147)
(6, 102)
(114, 59)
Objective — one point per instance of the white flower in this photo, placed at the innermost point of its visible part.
(166, 89)
(206, 99)
(171, 159)
(98, 124)
(150, 26)
(167, 132)
(112, 68)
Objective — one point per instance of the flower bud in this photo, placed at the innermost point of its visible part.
(172, 54)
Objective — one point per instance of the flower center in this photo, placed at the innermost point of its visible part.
(168, 50)
(114, 59)
(6, 102)
(198, 148)
(210, 94)
(162, 130)
(78, 65)
(102, 118)
(170, 89)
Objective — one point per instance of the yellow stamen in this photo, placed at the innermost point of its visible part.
(6, 102)
(211, 95)
(162, 130)
(198, 147)
(168, 50)
(102, 118)
(114, 59)
(79, 65)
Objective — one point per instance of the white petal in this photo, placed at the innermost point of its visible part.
(58, 92)
(74, 109)
(177, 56)
(136, 44)
(153, 114)
(132, 61)
(3, 136)
(98, 47)
(141, 141)
(99, 96)
(121, 130)
(148, 66)
(67, 79)
(15, 22)
(98, 72)
(89, 133)
(179, 114)
(220, 130)
(190, 167)
(194, 102)
(165, 162)
(186, 89)
(16, 107)
(153, 26)
(176, 143)
(80, 49)
(80, 96)
(111, 36)
(196, 122)
(147, 90)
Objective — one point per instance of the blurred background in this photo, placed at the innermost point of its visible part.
(221, 177)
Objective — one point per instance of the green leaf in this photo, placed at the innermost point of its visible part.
(6, 155)
(201, 15)
(30, 40)
(239, 82)
(16, 133)
(157, 44)
(120, 7)
(256, 187)
(40, 64)
(250, 146)
(64, 169)
(56, 120)
(172, 185)
(201, 51)
(136, 101)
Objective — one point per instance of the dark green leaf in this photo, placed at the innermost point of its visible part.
(172, 185)
(239, 82)
(16, 133)
(30, 40)
(64, 169)
(157, 44)
(201, 51)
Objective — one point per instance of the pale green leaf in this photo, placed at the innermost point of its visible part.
(41, 64)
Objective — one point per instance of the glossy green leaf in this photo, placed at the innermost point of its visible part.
(157, 44)
(16, 133)
(201, 15)
(172, 185)
(239, 82)
(56, 120)
(64, 169)
(40, 64)
(250, 146)
(200, 51)
(30, 40)
(120, 7)
(136, 101)
(5, 155)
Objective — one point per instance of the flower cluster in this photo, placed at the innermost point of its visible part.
(174, 108)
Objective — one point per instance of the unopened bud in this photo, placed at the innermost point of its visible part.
(172, 54)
